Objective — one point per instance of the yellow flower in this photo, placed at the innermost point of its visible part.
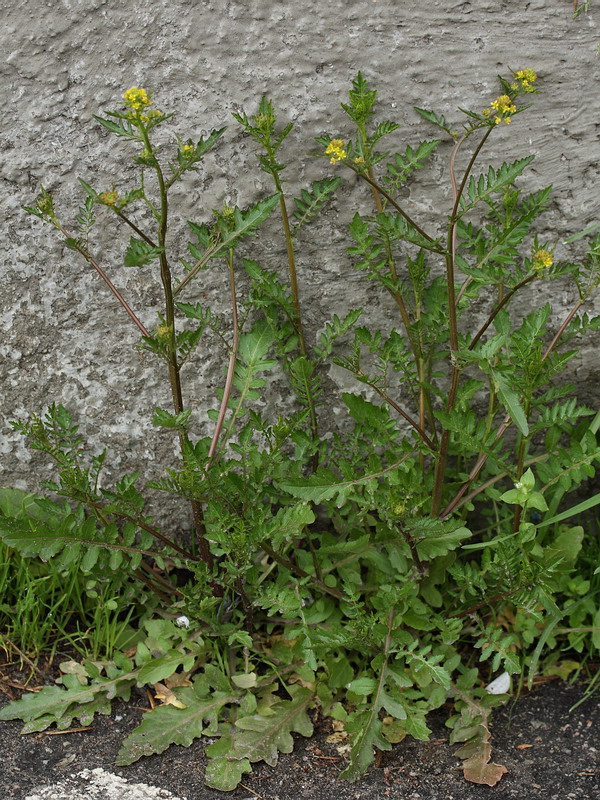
(335, 149)
(542, 259)
(503, 106)
(526, 76)
(136, 98)
(187, 149)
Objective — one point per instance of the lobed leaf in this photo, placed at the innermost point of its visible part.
(140, 253)
(311, 202)
(168, 725)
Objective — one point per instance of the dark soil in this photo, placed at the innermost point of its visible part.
(550, 752)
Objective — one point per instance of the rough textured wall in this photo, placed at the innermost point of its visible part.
(62, 337)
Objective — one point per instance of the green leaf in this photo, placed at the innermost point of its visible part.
(404, 165)
(244, 224)
(437, 119)
(224, 774)
(195, 311)
(482, 188)
(19, 504)
(204, 145)
(168, 725)
(321, 486)
(596, 631)
(251, 361)
(60, 530)
(61, 705)
(140, 253)
(367, 738)
(324, 485)
(89, 190)
(365, 725)
(580, 508)
(565, 547)
(536, 500)
(363, 686)
(255, 345)
(165, 419)
(288, 524)
(261, 738)
(393, 227)
(124, 128)
(416, 727)
(581, 234)
(425, 666)
(304, 381)
(392, 706)
(435, 537)
(510, 400)
(162, 667)
(311, 202)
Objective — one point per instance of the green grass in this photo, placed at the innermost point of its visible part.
(43, 607)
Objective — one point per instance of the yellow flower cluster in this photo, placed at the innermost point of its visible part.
(501, 108)
(526, 77)
(335, 149)
(542, 259)
(137, 98)
(187, 149)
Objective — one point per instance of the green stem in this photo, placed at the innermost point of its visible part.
(133, 226)
(173, 366)
(289, 245)
(232, 362)
(500, 305)
(520, 460)
(89, 258)
(450, 253)
(400, 411)
(424, 397)
(394, 204)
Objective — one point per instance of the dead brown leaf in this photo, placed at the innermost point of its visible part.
(166, 696)
(477, 771)
(178, 679)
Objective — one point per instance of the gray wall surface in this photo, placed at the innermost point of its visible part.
(62, 338)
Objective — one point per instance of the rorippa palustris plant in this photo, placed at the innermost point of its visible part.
(375, 574)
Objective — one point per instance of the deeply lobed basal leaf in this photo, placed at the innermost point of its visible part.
(62, 705)
(260, 738)
(167, 725)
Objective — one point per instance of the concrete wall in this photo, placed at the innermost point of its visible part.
(62, 338)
